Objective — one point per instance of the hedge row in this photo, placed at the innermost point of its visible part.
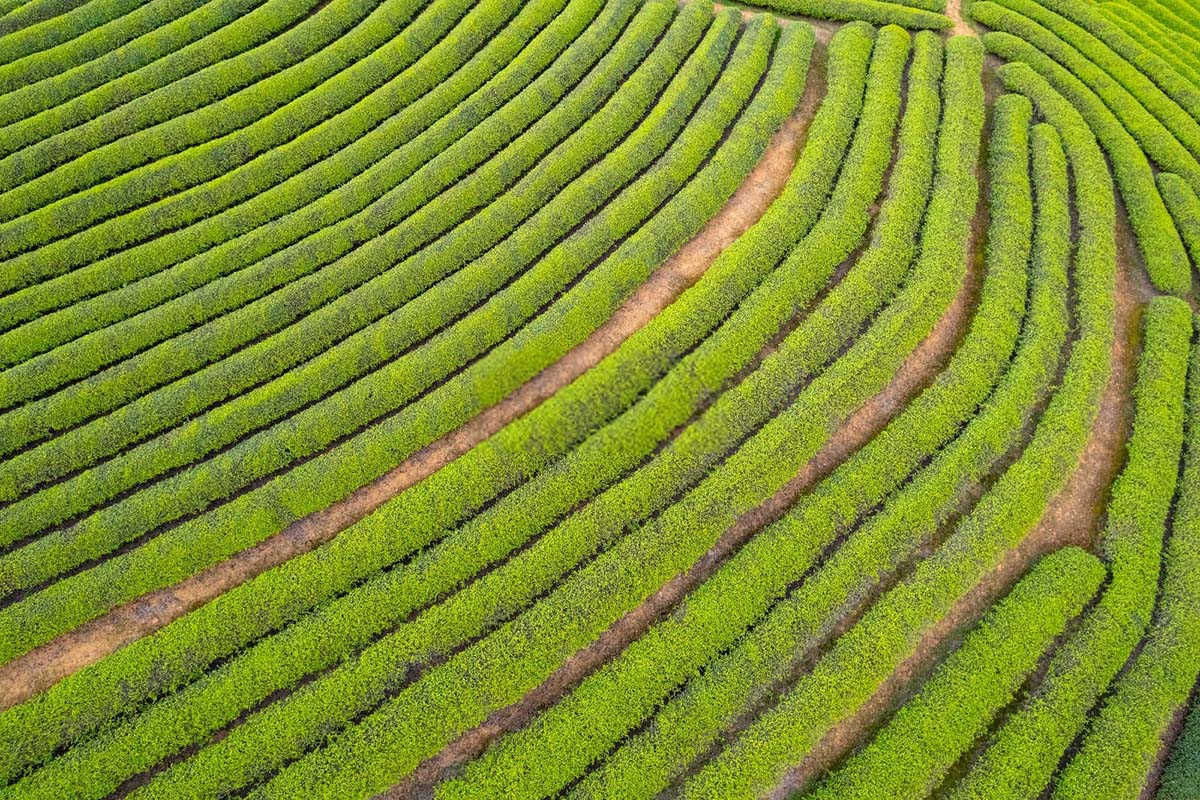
(253, 366)
(1166, 260)
(117, 177)
(1167, 132)
(316, 483)
(274, 18)
(911, 754)
(1184, 206)
(40, 33)
(22, 15)
(179, 653)
(201, 182)
(1166, 59)
(909, 521)
(351, 215)
(337, 34)
(328, 191)
(203, 23)
(310, 276)
(1181, 777)
(406, 374)
(880, 12)
(612, 701)
(501, 667)
(1123, 739)
(1026, 749)
(46, 61)
(287, 729)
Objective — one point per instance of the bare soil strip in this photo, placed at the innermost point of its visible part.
(955, 13)
(44, 666)
(917, 371)
(1073, 517)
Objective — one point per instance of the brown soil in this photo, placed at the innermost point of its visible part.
(44, 666)
(917, 371)
(961, 26)
(1073, 517)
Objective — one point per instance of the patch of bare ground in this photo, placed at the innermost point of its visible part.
(71, 652)
(918, 370)
(1073, 517)
(955, 12)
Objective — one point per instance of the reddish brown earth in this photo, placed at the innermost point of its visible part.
(44, 666)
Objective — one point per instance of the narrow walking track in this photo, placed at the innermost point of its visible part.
(42, 667)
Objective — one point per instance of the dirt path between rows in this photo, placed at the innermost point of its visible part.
(1073, 517)
(44, 666)
(961, 26)
(919, 369)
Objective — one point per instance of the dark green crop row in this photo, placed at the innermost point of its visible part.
(1167, 132)
(377, 233)
(1181, 778)
(1122, 740)
(200, 24)
(179, 652)
(99, 41)
(309, 276)
(285, 730)
(1184, 206)
(406, 374)
(40, 33)
(112, 288)
(324, 479)
(197, 147)
(500, 668)
(316, 48)
(348, 106)
(1166, 260)
(910, 755)
(192, 66)
(843, 222)
(374, 346)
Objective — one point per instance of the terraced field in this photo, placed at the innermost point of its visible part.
(600, 399)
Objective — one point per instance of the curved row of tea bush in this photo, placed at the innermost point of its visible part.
(1184, 206)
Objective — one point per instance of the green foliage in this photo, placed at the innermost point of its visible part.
(911, 14)
(1181, 778)
(40, 33)
(956, 703)
(1181, 200)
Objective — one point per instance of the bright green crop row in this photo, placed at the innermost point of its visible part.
(287, 729)
(1025, 751)
(1162, 249)
(333, 368)
(1123, 739)
(96, 42)
(456, 147)
(322, 480)
(1145, 40)
(180, 651)
(500, 668)
(40, 33)
(909, 756)
(32, 97)
(117, 177)
(120, 285)
(911, 519)
(879, 12)
(330, 289)
(1177, 15)
(314, 128)
(522, 766)
(406, 374)
(1184, 206)
(197, 67)
(334, 37)
(19, 14)
(1167, 132)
